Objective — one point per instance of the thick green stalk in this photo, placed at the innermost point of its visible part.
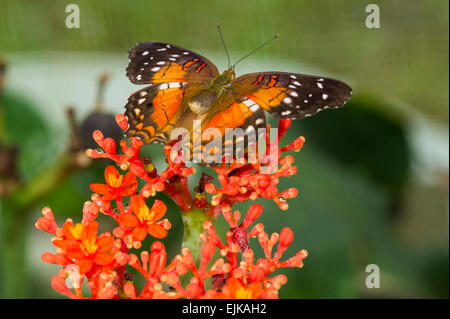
(193, 228)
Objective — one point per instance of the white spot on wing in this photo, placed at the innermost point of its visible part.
(324, 96)
(254, 108)
(287, 100)
(251, 104)
(248, 102)
(319, 85)
(175, 85)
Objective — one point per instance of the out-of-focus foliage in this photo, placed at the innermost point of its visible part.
(25, 127)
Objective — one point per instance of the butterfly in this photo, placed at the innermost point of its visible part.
(185, 86)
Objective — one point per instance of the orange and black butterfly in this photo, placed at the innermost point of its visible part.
(186, 86)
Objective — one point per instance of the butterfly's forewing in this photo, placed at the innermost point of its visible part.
(157, 62)
(290, 95)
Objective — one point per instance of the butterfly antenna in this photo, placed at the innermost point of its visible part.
(224, 46)
(261, 46)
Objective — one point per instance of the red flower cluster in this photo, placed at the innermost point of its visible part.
(101, 260)
(230, 278)
(82, 253)
(243, 181)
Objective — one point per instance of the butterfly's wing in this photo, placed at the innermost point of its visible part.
(157, 62)
(152, 112)
(285, 95)
(291, 95)
(244, 114)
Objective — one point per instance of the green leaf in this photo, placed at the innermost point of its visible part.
(25, 127)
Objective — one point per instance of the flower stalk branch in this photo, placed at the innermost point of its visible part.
(193, 228)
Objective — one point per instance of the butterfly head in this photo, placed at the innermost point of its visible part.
(224, 79)
(229, 75)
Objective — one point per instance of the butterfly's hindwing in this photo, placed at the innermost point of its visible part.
(157, 62)
(151, 111)
(290, 95)
(245, 115)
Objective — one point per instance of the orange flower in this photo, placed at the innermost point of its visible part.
(234, 289)
(117, 185)
(144, 219)
(82, 245)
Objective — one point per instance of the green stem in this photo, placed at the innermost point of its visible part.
(193, 228)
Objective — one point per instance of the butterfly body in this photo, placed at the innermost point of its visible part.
(186, 87)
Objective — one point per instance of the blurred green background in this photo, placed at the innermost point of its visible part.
(373, 176)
